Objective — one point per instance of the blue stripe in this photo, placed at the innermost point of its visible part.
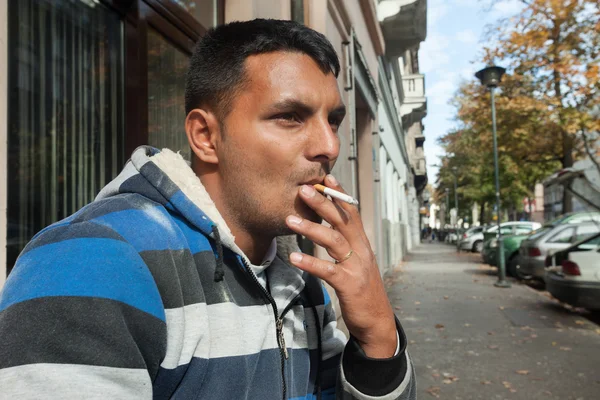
(198, 242)
(148, 229)
(252, 376)
(89, 267)
(191, 212)
(326, 298)
(325, 395)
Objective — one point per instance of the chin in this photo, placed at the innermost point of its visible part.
(304, 211)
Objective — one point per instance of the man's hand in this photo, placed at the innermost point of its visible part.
(365, 306)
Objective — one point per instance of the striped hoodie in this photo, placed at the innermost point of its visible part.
(144, 294)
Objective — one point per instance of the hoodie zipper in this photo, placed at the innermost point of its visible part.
(278, 324)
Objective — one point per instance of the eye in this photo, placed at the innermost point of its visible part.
(335, 123)
(288, 118)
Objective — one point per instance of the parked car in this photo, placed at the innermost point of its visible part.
(513, 233)
(472, 239)
(548, 240)
(573, 274)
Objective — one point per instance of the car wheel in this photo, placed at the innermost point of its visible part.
(512, 266)
(478, 246)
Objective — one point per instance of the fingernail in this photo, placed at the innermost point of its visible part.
(308, 191)
(332, 179)
(292, 219)
(295, 257)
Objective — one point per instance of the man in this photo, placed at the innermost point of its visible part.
(178, 280)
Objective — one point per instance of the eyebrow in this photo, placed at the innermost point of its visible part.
(286, 105)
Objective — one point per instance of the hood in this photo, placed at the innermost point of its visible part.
(166, 177)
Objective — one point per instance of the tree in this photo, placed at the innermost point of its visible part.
(554, 46)
(527, 149)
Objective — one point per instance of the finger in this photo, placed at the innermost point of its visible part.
(322, 269)
(333, 241)
(332, 183)
(349, 209)
(334, 215)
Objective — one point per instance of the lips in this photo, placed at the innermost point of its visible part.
(314, 181)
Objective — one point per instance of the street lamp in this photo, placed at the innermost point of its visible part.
(491, 77)
(454, 170)
(447, 199)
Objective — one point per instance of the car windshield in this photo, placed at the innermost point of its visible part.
(540, 232)
(574, 218)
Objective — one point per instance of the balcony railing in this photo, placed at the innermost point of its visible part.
(414, 86)
(415, 103)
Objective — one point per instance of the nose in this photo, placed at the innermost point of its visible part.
(324, 143)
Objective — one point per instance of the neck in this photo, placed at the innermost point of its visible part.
(254, 246)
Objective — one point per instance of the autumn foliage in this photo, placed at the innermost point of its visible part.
(547, 104)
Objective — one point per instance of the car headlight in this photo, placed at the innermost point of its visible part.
(494, 243)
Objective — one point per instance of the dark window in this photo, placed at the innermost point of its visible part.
(564, 236)
(297, 10)
(523, 229)
(584, 231)
(89, 81)
(65, 135)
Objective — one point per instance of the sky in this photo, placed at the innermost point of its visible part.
(449, 55)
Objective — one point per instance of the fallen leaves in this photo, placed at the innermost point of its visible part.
(446, 297)
(434, 391)
(565, 348)
(492, 346)
(522, 372)
(417, 303)
(449, 378)
(486, 382)
(439, 326)
(579, 322)
(508, 385)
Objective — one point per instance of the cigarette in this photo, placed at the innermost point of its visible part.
(336, 195)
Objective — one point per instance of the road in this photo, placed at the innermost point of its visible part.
(471, 340)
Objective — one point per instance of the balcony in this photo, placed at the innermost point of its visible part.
(414, 107)
(420, 172)
(404, 24)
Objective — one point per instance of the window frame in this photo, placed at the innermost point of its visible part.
(177, 26)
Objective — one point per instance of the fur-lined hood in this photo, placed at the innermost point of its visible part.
(194, 204)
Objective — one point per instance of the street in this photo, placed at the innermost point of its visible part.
(471, 340)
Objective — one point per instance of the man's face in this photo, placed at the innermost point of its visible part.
(280, 133)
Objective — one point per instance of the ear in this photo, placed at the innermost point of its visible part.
(203, 130)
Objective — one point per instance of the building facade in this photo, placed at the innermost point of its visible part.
(84, 82)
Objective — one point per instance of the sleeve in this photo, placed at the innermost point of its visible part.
(80, 317)
(357, 376)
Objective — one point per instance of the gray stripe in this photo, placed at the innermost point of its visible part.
(256, 376)
(81, 330)
(113, 186)
(117, 203)
(175, 275)
(68, 381)
(74, 230)
(140, 186)
(236, 287)
(162, 182)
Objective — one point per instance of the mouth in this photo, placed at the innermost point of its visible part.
(314, 181)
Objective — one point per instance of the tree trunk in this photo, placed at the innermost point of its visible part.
(567, 141)
(482, 215)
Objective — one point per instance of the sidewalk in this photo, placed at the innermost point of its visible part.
(471, 340)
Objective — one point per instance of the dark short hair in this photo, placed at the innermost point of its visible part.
(216, 71)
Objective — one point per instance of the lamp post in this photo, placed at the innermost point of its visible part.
(454, 171)
(491, 77)
(447, 200)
